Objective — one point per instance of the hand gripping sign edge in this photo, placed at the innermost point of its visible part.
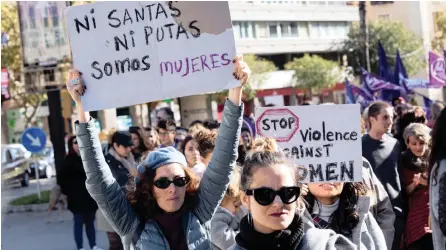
(278, 111)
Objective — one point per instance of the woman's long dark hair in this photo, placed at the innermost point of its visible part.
(70, 146)
(346, 216)
(143, 144)
(438, 144)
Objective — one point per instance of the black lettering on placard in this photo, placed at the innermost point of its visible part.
(92, 18)
(108, 69)
(121, 66)
(181, 30)
(350, 171)
(169, 25)
(149, 9)
(85, 25)
(119, 43)
(133, 39)
(159, 34)
(295, 152)
(316, 172)
(139, 15)
(160, 10)
(197, 30)
(175, 12)
(127, 17)
(309, 135)
(111, 17)
(330, 172)
(94, 65)
(265, 125)
(148, 31)
(327, 148)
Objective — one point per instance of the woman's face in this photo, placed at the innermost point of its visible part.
(326, 193)
(417, 147)
(170, 199)
(191, 153)
(75, 146)
(152, 138)
(277, 215)
(135, 140)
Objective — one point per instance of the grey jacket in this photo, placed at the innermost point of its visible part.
(367, 235)
(437, 200)
(117, 209)
(224, 228)
(380, 204)
(319, 239)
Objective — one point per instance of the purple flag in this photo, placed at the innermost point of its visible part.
(400, 70)
(349, 96)
(375, 83)
(437, 75)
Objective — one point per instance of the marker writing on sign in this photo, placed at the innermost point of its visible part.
(333, 171)
(300, 151)
(283, 123)
(195, 64)
(324, 135)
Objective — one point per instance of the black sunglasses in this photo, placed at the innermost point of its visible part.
(164, 182)
(75, 142)
(266, 196)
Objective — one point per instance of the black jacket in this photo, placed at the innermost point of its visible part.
(119, 172)
(72, 184)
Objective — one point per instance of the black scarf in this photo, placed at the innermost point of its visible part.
(288, 239)
(410, 161)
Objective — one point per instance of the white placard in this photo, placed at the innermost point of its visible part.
(323, 141)
(137, 52)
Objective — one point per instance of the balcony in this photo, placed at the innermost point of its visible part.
(293, 11)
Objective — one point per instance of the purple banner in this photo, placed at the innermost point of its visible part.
(375, 83)
(437, 75)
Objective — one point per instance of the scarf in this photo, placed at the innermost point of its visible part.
(288, 239)
(128, 162)
(173, 229)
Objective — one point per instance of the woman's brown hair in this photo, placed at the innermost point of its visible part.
(144, 203)
(206, 141)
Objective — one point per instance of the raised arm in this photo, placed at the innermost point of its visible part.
(216, 177)
(101, 184)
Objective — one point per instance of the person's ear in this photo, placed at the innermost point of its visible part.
(244, 199)
(115, 146)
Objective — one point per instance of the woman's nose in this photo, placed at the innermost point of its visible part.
(277, 201)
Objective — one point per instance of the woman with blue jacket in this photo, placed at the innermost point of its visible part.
(164, 207)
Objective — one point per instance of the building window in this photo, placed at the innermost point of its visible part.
(303, 29)
(314, 31)
(262, 30)
(54, 15)
(273, 30)
(244, 30)
(288, 29)
(32, 17)
(236, 30)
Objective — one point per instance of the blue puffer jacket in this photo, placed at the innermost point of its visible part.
(112, 201)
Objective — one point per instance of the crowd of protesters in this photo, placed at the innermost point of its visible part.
(216, 186)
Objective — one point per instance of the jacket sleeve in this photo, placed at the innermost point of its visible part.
(217, 175)
(101, 184)
(375, 232)
(325, 239)
(442, 204)
(385, 216)
(222, 235)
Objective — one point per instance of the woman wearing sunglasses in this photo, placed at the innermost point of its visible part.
(272, 197)
(164, 208)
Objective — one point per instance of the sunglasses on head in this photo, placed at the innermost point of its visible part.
(265, 196)
(164, 182)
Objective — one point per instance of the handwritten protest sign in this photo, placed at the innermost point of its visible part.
(136, 52)
(323, 141)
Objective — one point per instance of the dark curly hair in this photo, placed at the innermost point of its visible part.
(206, 140)
(143, 201)
(346, 217)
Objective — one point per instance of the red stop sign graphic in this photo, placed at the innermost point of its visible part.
(280, 124)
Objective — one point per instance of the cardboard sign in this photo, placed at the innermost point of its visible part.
(323, 141)
(137, 52)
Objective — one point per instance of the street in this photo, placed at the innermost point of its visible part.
(40, 231)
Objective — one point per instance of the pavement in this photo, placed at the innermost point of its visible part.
(37, 230)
